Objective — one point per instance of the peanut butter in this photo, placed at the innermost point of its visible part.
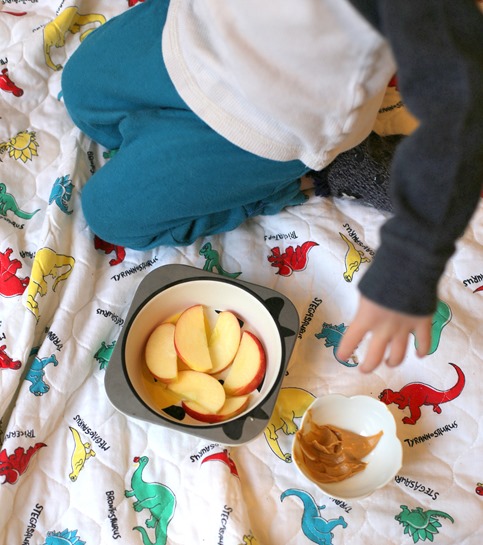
(330, 454)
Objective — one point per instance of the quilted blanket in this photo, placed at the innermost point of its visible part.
(74, 470)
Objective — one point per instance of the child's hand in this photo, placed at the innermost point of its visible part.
(389, 330)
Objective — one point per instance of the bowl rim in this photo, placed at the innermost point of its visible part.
(234, 432)
(140, 308)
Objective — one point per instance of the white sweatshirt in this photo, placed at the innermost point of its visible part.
(283, 79)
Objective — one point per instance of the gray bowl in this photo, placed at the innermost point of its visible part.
(170, 289)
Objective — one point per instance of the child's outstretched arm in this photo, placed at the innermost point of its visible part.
(390, 332)
(436, 174)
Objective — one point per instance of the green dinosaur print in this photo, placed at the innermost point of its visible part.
(157, 498)
(419, 524)
(103, 355)
(110, 154)
(9, 204)
(213, 261)
(441, 318)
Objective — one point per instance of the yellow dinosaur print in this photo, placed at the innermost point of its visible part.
(23, 146)
(249, 540)
(353, 259)
(291, 403)
(81, 453)
(46, 263)
(69, 20)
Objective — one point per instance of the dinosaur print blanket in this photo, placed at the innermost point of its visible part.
(74, 470)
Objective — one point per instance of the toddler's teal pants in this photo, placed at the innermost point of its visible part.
(173, 179)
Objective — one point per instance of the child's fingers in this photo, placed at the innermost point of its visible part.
(350, 340)
(375, 353)
(398, 350)
(423, 337)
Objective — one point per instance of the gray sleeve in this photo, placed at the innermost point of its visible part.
(437, 172)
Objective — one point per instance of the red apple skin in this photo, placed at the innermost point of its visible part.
(257, 379)
(214, 418)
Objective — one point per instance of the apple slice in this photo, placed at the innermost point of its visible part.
(233, 406)
(162, 396)
(248, 368)
(224, 341)
(174, 318)
(200, 388)
(191, 341)
(157, 391)
(160, 353)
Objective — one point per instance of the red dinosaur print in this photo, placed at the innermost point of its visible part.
(393, 82)
(6, 362)
(10, 284)
(225, 458)
(292, 259)
(417, 394)
(478, 289)
(16, 464)
(108, 248)
(15, 13)
(6, 84)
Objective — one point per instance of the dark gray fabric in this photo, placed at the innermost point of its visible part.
(361, 173)
(437, 172)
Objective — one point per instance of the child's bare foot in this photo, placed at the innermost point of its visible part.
(306, 183)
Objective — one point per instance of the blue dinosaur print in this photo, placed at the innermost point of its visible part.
(66, 537)
(61, 193)
(36, 374)
(333, 336)
(314, 526)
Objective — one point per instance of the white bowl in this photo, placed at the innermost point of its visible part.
(366, 416)
(168, 291)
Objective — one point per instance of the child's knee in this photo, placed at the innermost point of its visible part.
(80, 82)
(116, 223)
(73, 88)
(101, 217)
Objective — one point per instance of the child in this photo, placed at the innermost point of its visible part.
(219, 107)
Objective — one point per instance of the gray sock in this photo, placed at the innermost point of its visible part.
(361, 172)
